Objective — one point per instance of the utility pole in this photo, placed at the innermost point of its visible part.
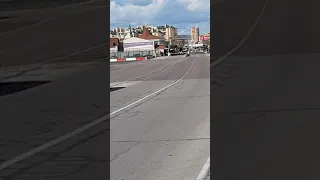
(169, 46)
(188, 46)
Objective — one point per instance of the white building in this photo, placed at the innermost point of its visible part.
(134, 44)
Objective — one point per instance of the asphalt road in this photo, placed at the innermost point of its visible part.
(167, 136)
(265, 96)
(41, 35)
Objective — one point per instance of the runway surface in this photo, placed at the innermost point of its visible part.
(167, 136)
(164, 136)
(56, 107)
(265, 96)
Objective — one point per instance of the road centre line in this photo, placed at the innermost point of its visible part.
(134, 63)
(164, 69)
(204, 171)
(77, 131)
(153, 72)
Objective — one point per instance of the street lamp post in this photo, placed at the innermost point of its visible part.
(188, 47)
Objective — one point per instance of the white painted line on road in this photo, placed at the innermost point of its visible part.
(160, 72)
(219, 60)
(135, 63)
(123, 84)
(153, 72)
(77, 131)
(205, 170)
(156, 92)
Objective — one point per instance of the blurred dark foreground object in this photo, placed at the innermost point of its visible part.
(10, 5)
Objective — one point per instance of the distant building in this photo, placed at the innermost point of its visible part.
(138, 46)
(182, 40)
(195, 34)
(205, 39)
(163, 33)
(158, 40)
(152, 29)
(160, 34)
(147, 35)
(160, 50)
(169, 31)
(170, 35)
(114, 44)
(123, 33)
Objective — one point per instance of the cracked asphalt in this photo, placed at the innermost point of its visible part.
(265, 97)
(166, 136)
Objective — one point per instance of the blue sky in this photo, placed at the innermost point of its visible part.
(182, 14)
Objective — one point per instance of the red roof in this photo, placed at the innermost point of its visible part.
(147, 35)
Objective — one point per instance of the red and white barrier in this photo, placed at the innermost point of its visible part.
(128, 59)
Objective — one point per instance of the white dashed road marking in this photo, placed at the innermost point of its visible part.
(77, 131)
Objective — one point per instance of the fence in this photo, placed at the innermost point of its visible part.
(135, 53)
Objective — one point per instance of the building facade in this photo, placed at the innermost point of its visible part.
(195, 34)
(170, 35)
(182, 40)
(166, 33)
(114, 44)
(138, 44)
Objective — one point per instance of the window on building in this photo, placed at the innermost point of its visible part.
(114, 44)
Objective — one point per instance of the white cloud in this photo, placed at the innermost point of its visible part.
(197, 5)
(181, 13)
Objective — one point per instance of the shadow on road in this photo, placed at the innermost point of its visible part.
(115, 88)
